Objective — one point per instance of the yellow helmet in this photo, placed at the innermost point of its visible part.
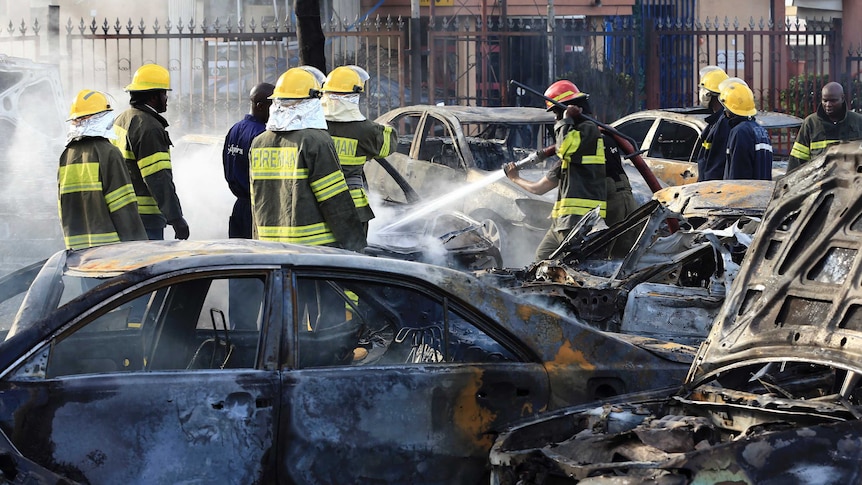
(710, 79)
(296, 83)
(88, 102)
(346, 79)
(149, 77)
(738, 99)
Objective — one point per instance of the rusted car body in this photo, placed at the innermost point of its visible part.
(773, 395)
(241, 361)
(664, 285)
(670, 139)
(443, 148)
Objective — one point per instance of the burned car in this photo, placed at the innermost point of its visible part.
(671, 137)
(442, 148)
(242, 361)
(663, 272)
(773, 395)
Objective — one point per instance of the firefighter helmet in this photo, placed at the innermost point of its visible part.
(88, 102)
(297, 83)
(346, 79)
(731, 80)
(562, 92)
(149, 77)
(710, 79)
(738, 99)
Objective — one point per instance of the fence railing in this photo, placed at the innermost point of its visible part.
(624, 64)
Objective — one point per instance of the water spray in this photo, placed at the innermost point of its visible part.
(448, 198)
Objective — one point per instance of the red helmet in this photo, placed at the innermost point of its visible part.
(563, 92)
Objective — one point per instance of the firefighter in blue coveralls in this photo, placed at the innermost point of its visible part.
(235, 158)
(749, 151)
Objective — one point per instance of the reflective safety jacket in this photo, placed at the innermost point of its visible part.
(96, 200)
(712, 154)
(298, 193)
(145, 144)
(749, 151)
(580, 174)
(818, 132)
(355, 143)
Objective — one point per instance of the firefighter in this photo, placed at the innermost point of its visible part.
(298, 192)
(96, 199)
(749, 150)
(580, 172)
(356, 138)
(832, 123)
(235, 158)
(145, 144)
(712, 154)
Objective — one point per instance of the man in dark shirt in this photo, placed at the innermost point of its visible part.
(235, 158)
(749, 151)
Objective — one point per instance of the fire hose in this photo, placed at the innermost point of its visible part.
(626, 144)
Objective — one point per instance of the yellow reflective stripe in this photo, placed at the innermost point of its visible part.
(147, 205)
(120, 198)
(563, 95)
(79, 177)
(593, 160)
(570, 144)
(800, 151)
(120, 142)
(154, 163)
(706, 145)
(578, 207)
(359, 197)
(90, 240)
(820, 145)
(345, 146)
(385, 150)
(351, 161)
(276, 163)
(329, 186)
(310, 235)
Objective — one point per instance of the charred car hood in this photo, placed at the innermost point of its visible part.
(796, 296)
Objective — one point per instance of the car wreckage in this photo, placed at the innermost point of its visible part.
(243, 361)
(672, 262)
(773, 395)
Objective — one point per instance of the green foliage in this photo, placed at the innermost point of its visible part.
(802, 95)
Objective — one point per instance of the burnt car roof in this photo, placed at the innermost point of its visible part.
(797, 295)
(767, 119)
(483, 114)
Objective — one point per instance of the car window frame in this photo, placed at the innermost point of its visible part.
(452, 303)
(84, 311)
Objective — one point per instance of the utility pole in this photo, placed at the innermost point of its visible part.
(415, 54)
(550, 42)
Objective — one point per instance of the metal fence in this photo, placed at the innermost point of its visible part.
(624, 63)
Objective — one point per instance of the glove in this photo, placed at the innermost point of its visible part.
(540, 155)
(573, 111)
(181, 228)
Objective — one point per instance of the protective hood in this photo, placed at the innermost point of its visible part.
(797, 295)
(341, 107)
(99, 124)
(295, 114)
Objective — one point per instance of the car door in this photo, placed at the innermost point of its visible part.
(391, 381)
(169, 384)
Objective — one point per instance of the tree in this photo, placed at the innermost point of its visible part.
(309, 34)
